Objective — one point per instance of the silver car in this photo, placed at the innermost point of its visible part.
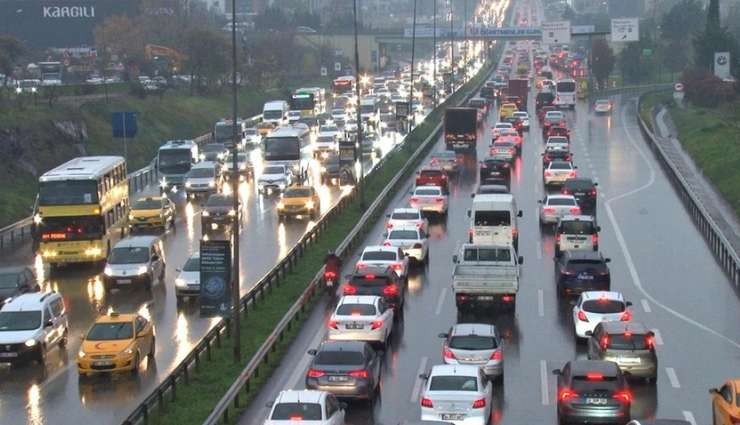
(361, 318)
(187, 283)
(557, 172)
(474, 344)
(555, 207)
(429, 199)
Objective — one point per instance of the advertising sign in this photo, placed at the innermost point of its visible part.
(402, 110)
(215, 278)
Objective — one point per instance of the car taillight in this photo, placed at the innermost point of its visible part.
(575, 210)
(426, 402)
(448, 354)
(333, 324)
(386, 243)
(511, 151)
(479, 404)
(315, 373)
(548, 174)
(439, 199)
(582, 316)
(376, 324)
(507, 298)
(626, 316)
(547, 159)
(565, 191)
(549, 210)
(566, 394)
(595, 239)
(362, 373)
(419, 225)
(557, 238)
(330, 275)
(514, 231)
(397, 266)
(390, 290)
(650, 342)
(593, 192)
(624, 396)
(414, 199)
(349, 289)
(389, 225)
(497, 355)
(572, 174)
(417, 246)
(604, 342)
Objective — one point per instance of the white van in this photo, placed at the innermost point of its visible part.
(135, 260)
(493, 220)
(275, 112)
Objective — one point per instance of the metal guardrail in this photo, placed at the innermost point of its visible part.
(723, 250)
(19, 232)
(181, 373)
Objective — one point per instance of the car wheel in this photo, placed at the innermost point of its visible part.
(148, 283)
(152, 351)
(41, 354)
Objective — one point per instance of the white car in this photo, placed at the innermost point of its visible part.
(339, 114)
(361, 318)
(603, 106)
(406, 217)
(330, 129)
(523, 116)
(187, 282)
(429, 199)
(274, 178)
(474, 344)
(459, 394)
(253, 136)
(557, 142)
(325, 143)
(31, 325)
(294, 116)
(501, 126)
(388, 256)
(306, 407)
(594, 307)
(555, 207)
(557, 172)
(412, 240)
(350, 126)
(202, 179)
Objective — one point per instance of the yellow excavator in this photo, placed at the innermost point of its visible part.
(155, 51)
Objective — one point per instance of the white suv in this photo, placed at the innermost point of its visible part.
(31, 325)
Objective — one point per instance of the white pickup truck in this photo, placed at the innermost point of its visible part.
(486, 276)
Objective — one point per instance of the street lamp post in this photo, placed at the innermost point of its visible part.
(235, 194)
(358, 112)
(413, 52)
(434, 63)
(452, 48)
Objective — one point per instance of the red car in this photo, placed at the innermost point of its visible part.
(511, 136)
(557, 131)
(432, 177)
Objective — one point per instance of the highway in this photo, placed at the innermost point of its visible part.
(659, 261)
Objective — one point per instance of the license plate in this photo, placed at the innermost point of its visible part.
(355, 326)
(576, 246)
(453, 416)
(338, 379)
(597, 401)
(6, 355)
(123, 281)
(102, 363)
(583, 276)
(629, 360)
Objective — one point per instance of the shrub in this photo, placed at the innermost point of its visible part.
(704, 89)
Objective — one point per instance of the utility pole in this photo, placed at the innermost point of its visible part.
(434, 63)
(465, 39)
(358, 112)
(235, 296)
(413, 51)
(452, 48)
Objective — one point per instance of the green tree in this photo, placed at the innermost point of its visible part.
(684, 18)
(710, 41)
(11, 51)
(713, 15)
(602, 60)
(207, 60)
(123, 38)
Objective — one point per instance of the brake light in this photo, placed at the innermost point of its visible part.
(376, 324)
(479, 404)
(419, 225)
(548, 173)
(361, 265)
(439, 199)
(604, 342)
(417, 246)
(624, 396)
(333, 324)
(511, 151)
(507, 298)
(572, 174)
(549, 210)
(362, 373)
(650, 342)
(389, 225)
(566, 394)
(390, 290)
(369, 276)
(315, 373)
(350, 289)
(414, 200)
(595, 239)
(514, 231)
(448, 354)
(582, 316)
(593, 192)
(396, 266)
(426, 402)
(565, 191)
(547, 159)
(575, 210)
(296, 418)
(594, 376)
(626, 316)
(497, 355)
(330, 275)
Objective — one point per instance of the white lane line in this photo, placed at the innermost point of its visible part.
(300, 371)
(539, 250)
(689, 417)
(544, 386)
(541, 302)
(441, 301)
(626, 253)
(645, 305)
(658, 337)
(418, 382)
(672, 377)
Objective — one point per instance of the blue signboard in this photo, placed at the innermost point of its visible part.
(215, 278)
(124, 124)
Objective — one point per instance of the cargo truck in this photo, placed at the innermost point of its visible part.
(461, 128)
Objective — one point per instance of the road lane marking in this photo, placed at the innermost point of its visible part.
(645, 305)
(628, 256)
(672, 377)
(689, 417)
(539, 250)
(418, 382)
(658, 337)
(544, 385)
(441, 301)
(541, 302)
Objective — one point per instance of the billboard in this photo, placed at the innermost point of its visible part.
(215, 278)
(58, 23)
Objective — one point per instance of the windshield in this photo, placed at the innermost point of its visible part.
(110, 331)
(214, 147)
(297, 193)
(557, 140)
(147, 204)
(273, 170)
(403, 234)
(427, 192)
(367, 109)
(559, 165)
(137, 255)
(19, 320)
(328, 129)
(338, 358)
(250, 132)
(577, 227)
(522, 115)
(68, 192)
(504, 125)
(566, 86)
(603, 306)
(568, 202)
(473, 342)
(175, 161)
(72, 228)
(297, 412)
(224, 131)
(628, 341)
(356, 310)
(453, 383)
(554, 116)
(487, 254)
(282, 148)
(273, 115)
(220, 201)
(379, 256)
(492, 218)
(338, 111)
(405, 216)
(325, 139)
(301, 102)
(192, 265)
(201, 173)
(602, 102)
(8, 280)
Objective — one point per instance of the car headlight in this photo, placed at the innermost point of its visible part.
(202, 157)
(281, 185)
(280, 205)
(81, 354)
(141, 270)
(163, 183)
(211, 183)
(232, 213)
(180, 282)
(129, 351)
(30, 343)
(243, 167)
(108, 271)
(130, 216)
(37, 219)
(188, 184)
(323, 169)
(309, 205)
(205, 213)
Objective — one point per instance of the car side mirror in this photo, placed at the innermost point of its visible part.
(628, 303)
(178, 270)
(520, 213)
(713, 391)
(454, 258)
(48, 324)
(423, 376)
(557, 372)
(468, 213)
(472, 195)
(443, 335)
(521, 259)
(312, 352)
(607, 260)
(589, 333)
(387, 216)
(539, 201)
(572, 302)
(385, 234)
(575, 167)
(596, 183)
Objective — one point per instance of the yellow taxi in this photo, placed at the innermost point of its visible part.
(507, 110)
(116, 343)
(151, 212)
(299, 200)
(726, 403)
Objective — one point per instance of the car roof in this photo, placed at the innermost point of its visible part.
(351, 346)
(480, 329)
(582, 367)
(561, 162)
(379, 270)
(359, 299)
(405, 210)
(493, 189)
(557, 196)
(136, 242)
(455, 370)
(300, 396)
(116, 317)
(622, 327)
(404, 227)
(580, 181)
(393, 249)
(600, 295)
(29, 301)
(659, 422)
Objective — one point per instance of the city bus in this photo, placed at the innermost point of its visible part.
(288, 146)
(174, 160)
(303, 102)
(50, 73)
(565, 93)
(78, 206)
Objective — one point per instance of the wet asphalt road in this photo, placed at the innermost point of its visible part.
(659, 261)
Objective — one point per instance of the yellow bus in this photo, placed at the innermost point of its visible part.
(79, 203)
